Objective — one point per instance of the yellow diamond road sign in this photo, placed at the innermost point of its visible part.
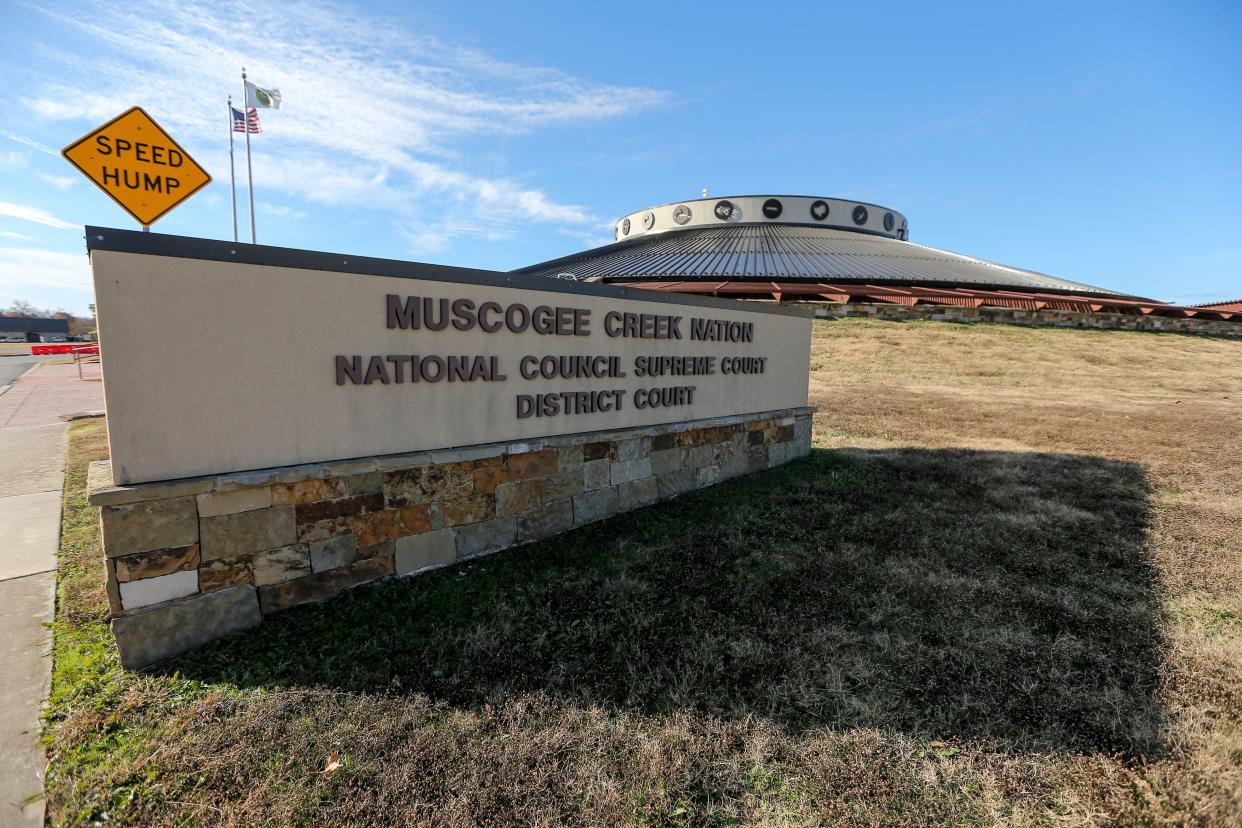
(136, 162)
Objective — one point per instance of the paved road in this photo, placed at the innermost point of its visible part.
(12, 367)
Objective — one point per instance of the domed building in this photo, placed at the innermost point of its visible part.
(849, 258)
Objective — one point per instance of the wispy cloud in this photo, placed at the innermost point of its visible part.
(29, 267)
(281, 211)
(25, 212)
(60, 182)
(25, 141)
(374, 116)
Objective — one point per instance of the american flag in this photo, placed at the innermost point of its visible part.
(239, 121)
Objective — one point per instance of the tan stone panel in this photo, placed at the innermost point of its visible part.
(518, 496)
(424, 551)
(227, 503)
(390, 524)
(223, 573)
(323, 585)
(157, 562)
(308, 491)
(471, 509)
(142, 527)
(228, 536)
(276, 566)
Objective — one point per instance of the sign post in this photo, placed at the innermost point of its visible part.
(139, 165)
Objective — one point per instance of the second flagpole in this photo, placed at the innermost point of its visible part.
(232, 168)
(249, 169)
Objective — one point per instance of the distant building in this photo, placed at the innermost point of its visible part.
(1229, 305)
(851, 258)
(33, 328)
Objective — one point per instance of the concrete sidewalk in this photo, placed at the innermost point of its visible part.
(32, 468)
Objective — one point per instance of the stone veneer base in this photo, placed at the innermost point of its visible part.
(192, 560)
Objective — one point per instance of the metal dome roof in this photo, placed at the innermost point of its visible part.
(793, 251)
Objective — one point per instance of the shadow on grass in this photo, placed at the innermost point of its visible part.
(947, 593)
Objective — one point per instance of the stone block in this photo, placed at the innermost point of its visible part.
(213, 504)
(322, 585)
(344, 507)
(623, 471)
(148, 591)
(269, 477)
(322, 530)
(349, 468)
(664, 442)
(467, 454)
(390, 524)
(667, 460)
(223, 573)
(155, 563)
(699, 456)
(734, 465)
(676, 483)
(227, 536)
(275, 566)
(333, 553)
(564, 484)
(383, 549)
(482, 538)
(596, 474)
(146, 637)
(551, 518)
(756, 457)
(518, 496)
(470, 509)
(707, 476)
(424, 551)
(308, 491)
(533, 464)
(777, 454)
(102, 492)
(596, 451)
(595, 505)
(638, 493)
(426, 483)
(631, 449)
(142, 527)
(569, 457)
(802, 428)
(368, 483)
(486, 479)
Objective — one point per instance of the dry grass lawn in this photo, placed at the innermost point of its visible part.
(1004, 590)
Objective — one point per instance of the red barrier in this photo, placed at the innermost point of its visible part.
(64, 348)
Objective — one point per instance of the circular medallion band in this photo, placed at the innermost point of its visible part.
(839, 213)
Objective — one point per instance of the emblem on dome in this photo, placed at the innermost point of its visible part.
(681, 214)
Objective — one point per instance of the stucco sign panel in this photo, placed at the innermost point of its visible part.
(222, 357)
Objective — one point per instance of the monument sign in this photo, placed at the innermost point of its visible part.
(285, 425)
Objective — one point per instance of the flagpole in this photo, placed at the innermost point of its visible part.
(232, 170)
(249, 168)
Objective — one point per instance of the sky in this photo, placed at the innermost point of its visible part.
(1097, 142)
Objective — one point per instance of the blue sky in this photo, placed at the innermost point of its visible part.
(1099, 142)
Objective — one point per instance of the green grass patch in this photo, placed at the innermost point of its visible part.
(892, 636)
